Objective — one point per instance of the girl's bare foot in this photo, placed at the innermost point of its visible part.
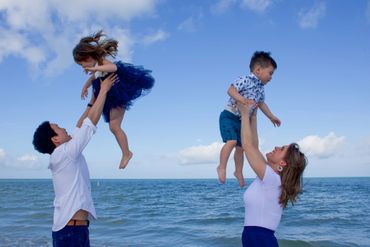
(125, 159)
(240, 178)
(221, 172)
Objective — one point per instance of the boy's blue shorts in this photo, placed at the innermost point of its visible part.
(230, 126)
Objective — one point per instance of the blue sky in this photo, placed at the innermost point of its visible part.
(320, 90)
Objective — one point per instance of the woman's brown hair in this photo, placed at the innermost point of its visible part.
(292, 175)
(92, 46)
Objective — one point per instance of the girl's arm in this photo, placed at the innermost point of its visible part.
(86, 112)
(265, 109)
(250, 140)
(106, 66)
(85, 88)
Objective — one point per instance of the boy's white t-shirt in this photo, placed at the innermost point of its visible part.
(261, 201)
(71, 177)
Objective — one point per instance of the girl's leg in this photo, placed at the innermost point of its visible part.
(224, 157)
(239, 159)
(116, 117)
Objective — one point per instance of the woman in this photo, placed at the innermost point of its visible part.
(279, 180)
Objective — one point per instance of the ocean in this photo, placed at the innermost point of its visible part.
(190, 212)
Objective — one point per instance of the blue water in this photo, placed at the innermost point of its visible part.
(330, 212)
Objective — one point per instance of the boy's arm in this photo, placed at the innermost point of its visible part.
(233, 93)
(265, 109)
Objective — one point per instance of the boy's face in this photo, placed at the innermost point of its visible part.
(264, 74)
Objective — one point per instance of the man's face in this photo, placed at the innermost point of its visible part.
(62, 135)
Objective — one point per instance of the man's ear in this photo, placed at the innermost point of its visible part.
(55, 140)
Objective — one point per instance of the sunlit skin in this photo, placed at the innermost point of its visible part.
(277, 155)
(62, 135)
(264, 74)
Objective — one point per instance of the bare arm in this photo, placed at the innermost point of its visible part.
(250, 139)
(86, 86)
(84, 114)
(106, 66)
(95, 107)
(233, 93)
(266, 110)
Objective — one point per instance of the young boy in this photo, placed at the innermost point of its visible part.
(245, 88)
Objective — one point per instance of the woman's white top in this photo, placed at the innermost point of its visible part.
(261, 201)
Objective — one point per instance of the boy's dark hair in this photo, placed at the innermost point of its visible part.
(95, 47)
(262, 59)
(42, 138)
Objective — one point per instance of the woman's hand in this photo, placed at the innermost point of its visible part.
(248, 107)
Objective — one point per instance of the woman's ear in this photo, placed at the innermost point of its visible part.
(282, 163)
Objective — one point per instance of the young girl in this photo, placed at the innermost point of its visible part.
(134, 81)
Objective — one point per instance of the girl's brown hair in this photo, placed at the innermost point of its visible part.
(92, 46)
(292, 175)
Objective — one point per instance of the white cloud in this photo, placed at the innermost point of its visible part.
(310, 18)
(43, 32)
(200, 154)
(191, 24)
(222, 6)
(160, 35)
(257, 5)
(27, 161)
(321, 147)
(2, 154)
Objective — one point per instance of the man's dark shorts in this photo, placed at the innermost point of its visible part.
(72, 236)
(230, 126)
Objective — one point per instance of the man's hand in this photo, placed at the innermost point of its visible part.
(108, 82)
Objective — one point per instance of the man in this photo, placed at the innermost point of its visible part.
(73, 205)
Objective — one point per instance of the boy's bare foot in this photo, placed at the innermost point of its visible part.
(240, 178)
(221, 172)
(125, 159)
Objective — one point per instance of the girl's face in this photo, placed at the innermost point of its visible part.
(87, 63)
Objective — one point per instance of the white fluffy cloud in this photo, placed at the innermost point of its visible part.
(201, 154)
(257, 5)
(310, 18)
(26, 161)
(43, 32)
(321, 147)
(155, 37)
(222, 6)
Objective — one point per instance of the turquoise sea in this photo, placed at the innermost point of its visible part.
(191, 212)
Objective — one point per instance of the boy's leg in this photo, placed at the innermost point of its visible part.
(239, 160)
(224, 157)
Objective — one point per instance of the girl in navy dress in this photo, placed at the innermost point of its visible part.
(134, 81)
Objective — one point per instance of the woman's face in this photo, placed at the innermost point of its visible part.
(277, 154)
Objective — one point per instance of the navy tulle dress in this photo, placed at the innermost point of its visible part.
(134, 81)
